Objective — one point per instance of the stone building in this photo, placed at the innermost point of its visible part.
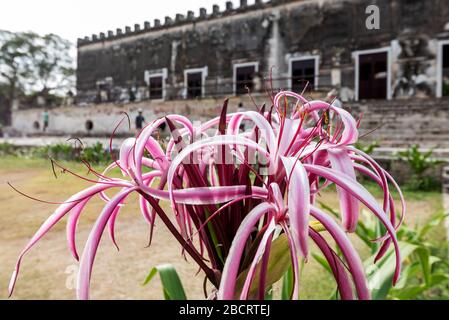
(394, 69)
(325, 43)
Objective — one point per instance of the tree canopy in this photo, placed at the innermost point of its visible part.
(34, 64)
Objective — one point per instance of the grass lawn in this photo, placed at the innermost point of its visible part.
(47, 271)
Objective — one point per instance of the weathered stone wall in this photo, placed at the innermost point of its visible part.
(395, 123)
(269, 33)
(105, 117)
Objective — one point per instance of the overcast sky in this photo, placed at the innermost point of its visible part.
(72, 19)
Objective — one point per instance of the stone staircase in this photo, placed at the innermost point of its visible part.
(401, 123)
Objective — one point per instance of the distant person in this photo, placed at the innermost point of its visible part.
(140, 120)
(104, 97)
(69, 99)
(45, 119)
(132, 94)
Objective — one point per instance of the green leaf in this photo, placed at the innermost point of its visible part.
(413, 291)
(150, 276)
(323, 262)
(171, 283)
(287, 284)
(214, 237)
(380, 230)
(365, 234)
(331, 210)
(439, 278)
(410, 293)
(380, 275)
(433, 222)
(278, 263)
(335, 294)
(269, 294)
(423, 255)
(407, 273)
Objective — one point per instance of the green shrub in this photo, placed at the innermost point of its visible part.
(7, 149)
(61, 151)
(96, 154)
(420, 163)
(425, 273)
(368, 149)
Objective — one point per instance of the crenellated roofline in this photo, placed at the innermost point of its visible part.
(180, 19)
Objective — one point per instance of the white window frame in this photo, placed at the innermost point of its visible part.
(157, 73)
(204, 73)
(439, 91)
(254, 64)
(302, 58)
(356, 55)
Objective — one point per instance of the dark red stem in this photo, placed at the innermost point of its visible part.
(210, 274)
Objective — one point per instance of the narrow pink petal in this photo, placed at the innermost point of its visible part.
(358, 191)
(232, 263)
(111, 222)
(337, 267)
(383, 249)
(298, 196)
(401, 197)
(209, 142)
(352, 258)
(146, 134)
(349, 205)
(59, 213)
(111, 226)
(264, 126)
(125, 156)
(205, 195)
(90, 249)
(72, 223)
(295, 264)
(283, 94)
(277, 195)
(145, 210)
(391, 206)
(260, 251)
(154, 149)
(363, 157)
(350, 132)
(159, 164)
(382, 173)
(288, 134)
(148, 178)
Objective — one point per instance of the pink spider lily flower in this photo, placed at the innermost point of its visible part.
(237, 192)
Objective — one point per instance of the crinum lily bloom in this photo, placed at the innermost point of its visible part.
(238, 192)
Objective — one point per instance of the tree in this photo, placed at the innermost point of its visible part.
(53, 65)
(32, 63)
(15, 66)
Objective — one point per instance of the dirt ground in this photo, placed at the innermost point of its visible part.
(48, 270)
